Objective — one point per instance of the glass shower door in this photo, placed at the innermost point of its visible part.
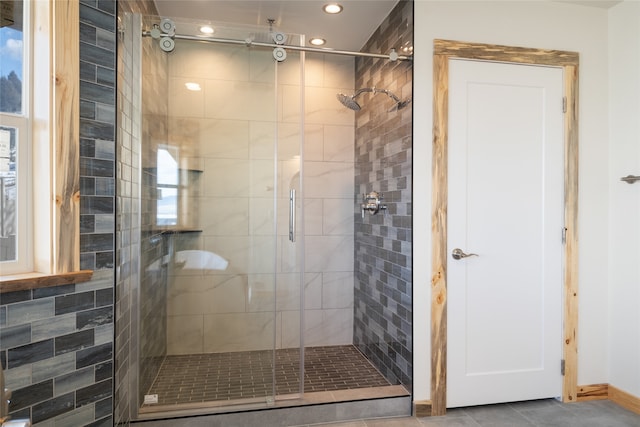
(230, 214)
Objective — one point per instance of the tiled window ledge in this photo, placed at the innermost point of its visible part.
(27, 281)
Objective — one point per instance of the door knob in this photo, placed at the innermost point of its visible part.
(459, 254)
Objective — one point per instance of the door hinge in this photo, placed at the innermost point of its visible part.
(564, 235)
(564, 104)
(562, 367)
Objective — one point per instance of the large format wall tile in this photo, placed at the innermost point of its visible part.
(235, 145)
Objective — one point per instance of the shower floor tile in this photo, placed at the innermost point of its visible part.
(212, 377)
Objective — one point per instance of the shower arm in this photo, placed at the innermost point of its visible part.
(393, 56)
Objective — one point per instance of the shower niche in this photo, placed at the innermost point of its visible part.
(246, 293)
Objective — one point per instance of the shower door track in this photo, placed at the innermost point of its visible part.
(393, 56)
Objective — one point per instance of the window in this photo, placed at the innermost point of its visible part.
(15, 185)
(168, 186)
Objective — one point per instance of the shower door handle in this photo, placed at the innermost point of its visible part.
(292, 215)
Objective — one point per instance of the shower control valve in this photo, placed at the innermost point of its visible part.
(372, 202)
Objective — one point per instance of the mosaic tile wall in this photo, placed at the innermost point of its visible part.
(383, 285)
(57, 343)
(97, 134)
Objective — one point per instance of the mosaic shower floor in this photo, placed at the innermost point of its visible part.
(213, 377)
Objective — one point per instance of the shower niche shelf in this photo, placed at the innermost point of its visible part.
(180, 231)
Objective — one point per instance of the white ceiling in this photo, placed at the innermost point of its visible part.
(348, 30)
(604, 4)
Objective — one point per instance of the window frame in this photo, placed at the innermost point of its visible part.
(55, 144)
(22, 123)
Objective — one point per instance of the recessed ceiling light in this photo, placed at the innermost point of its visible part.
(332, 8)
(317, 41)
(193, 86)
(205, 29)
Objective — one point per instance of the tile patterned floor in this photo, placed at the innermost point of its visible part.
(538, 413)
(228, 376)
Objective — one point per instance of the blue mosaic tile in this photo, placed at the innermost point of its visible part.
(94, 392)
(96, 242)
(74, 380)
(75, 302)
(87, 33)
(97, 205)
(94, 355)
(96, 317)
(53, 327)
(29, 353)
(97, 93)
(87, 109)
(53, 407)
(97, 18)
(96, 167)
(104, 408)
(97, 55)
(29, 311)
(73, 342)
(13, 297)
(104, 260)
(15, 336)
(105, 76)
(88, 71)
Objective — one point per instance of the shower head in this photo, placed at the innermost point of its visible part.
(351, 103)
(399, 105)
(348, 101)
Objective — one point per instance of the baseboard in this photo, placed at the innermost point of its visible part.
(593, 392)
(422, 408)
(624, 399)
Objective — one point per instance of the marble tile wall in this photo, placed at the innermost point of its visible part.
(383, 250)
(228, 129)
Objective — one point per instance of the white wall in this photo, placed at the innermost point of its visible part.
(624, 239)
(532, 24)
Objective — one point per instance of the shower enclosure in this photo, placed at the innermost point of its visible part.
(246, 202)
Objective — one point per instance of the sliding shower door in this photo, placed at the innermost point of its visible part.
(224, 172)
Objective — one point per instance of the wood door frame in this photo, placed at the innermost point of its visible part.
(443, 50)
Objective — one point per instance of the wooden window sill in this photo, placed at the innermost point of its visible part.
(27, 281)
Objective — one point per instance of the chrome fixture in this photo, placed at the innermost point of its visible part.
(292, 215)
(350, 102)
(630, 179)
(458, 253)
(372, 202)
(165, 32)
(167, 43)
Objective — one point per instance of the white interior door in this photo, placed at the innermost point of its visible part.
(505, 204)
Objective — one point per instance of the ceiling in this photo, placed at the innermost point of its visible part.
(348, 30)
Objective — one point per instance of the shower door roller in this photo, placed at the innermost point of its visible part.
(279, 38)
(279, 54)
(167, 44)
